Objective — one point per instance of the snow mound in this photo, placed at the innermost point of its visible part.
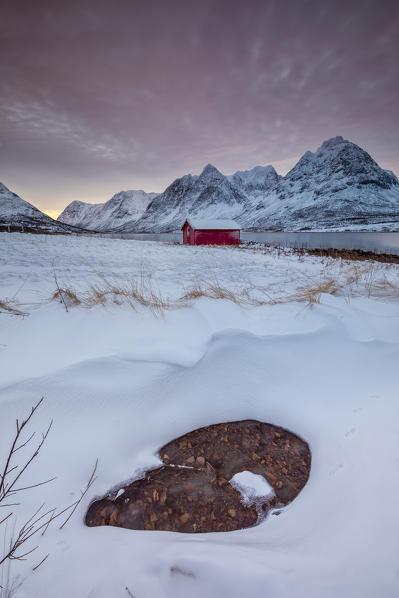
(251, 486)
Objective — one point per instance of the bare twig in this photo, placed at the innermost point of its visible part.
(41, 562)
(16, 548)
(5, 488)
(76, 504)
(59, 292)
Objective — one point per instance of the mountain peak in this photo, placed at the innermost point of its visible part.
(333, 142)
(210, 171)
(124, 206)
(4, 189)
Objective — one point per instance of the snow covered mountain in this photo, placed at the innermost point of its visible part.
(337, 187)
(17, 214)
(209, 195)
(256, 182)
(125, 206)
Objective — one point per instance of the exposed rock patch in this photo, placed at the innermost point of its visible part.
(191, 492)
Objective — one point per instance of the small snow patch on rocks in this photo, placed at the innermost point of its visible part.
(252, 487)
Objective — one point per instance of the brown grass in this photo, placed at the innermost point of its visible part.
(312, 293)
(134, 294)
(68, 295)
(384, 288)
(7, 306)
(215, 290)
(370, 279)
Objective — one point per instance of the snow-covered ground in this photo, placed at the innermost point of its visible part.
(121, 381)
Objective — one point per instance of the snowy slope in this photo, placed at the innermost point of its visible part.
(121, 383)
(256, 182)
(209, 195)
(15, 213)
(338, 186)
(125, 206)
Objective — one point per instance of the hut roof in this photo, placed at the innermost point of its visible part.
(212, 224)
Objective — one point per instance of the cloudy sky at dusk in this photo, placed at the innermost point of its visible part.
(101, 96)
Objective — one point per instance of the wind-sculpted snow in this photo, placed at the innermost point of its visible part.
(120, 383)
(125, 206)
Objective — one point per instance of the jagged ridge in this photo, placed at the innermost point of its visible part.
(339, 185)
(125, 206)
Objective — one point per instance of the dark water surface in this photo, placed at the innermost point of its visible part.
(379, 242)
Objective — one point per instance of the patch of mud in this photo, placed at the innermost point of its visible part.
(191, 492)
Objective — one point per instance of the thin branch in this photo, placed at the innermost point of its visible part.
(19, 428)
(49, 521)
(28, 462)
(34, 515)
(11, 468)
(24, 443)
(41, 562)
(40, 520)
(89, 483)
(59, 291)
(21, 557)
(35, 485)
(5, 518)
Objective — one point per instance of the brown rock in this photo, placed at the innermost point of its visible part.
(170, 497)
(184, 518)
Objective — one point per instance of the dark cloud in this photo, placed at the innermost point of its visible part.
(99, 96)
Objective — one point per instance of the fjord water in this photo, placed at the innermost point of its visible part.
(367, 241)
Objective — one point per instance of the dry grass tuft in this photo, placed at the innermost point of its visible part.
(8, 306)
(66, 296)
(215, 290)
(312, 294)
(134, 294)
(384, 288)
(348, 280)
(368, 280)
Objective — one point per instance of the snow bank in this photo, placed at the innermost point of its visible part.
(120, 383)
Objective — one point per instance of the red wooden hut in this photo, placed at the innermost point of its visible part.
(210, 232)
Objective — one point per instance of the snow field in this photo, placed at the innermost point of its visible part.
(120, 383)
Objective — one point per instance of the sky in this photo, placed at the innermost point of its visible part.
(100, 96)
